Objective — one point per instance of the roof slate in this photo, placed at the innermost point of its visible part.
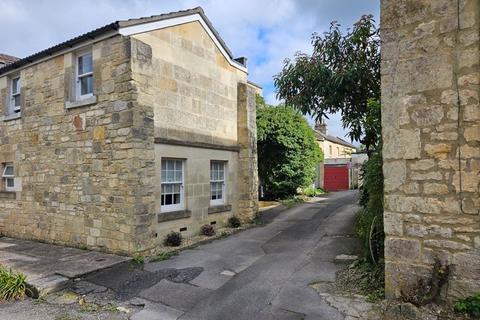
(114, 26)
(7, 59)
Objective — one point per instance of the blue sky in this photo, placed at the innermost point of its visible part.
(265, 31)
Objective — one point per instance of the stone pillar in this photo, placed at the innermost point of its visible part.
(247, 160)
(431, 133)
(142, 170)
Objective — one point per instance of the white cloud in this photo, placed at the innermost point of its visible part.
(266, 31)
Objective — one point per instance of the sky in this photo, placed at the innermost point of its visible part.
(264, 31)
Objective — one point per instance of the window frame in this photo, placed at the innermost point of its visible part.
(78, 84)
(7, 177)
(177, 206)
(223, 200)
(12, 108)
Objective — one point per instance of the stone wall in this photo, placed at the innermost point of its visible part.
(200, 114)
(83, 171)
(247, 164)
(431, 133)
(88, 173)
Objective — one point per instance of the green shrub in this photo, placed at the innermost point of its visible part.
(288, 153)
(369, 224)
(234, 222)
(173, 239)
(12, 284)
(138, 259)
(312, 191)
(207, 230)
(469, 305)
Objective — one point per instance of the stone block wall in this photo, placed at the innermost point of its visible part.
(203, 110)
(88, 173)
(85, 171)
(431, 134)
(247, 163)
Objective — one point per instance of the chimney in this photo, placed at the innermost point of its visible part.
(321, 126)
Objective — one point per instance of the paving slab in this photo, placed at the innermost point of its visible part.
(177, 295)
(49, 267)
(157, 311)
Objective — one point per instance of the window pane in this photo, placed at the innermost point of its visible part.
(176, 198)
(16, 85)
(170, 176)
(164, 164)
(8, 171)
(164, 176)
(86, 85)
(176, 188)
(10, 182)
(16, 100)
(168, 199)
(178, 165)
(85, 64)
(178, 175)
(170, 165)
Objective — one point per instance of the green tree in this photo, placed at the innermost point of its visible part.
(341, 75)
(287, 151)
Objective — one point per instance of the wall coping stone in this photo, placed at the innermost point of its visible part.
(220, 208)
(174, 215)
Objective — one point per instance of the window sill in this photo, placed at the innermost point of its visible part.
(80, 103)
(8, 195)
(13, 116)
(173, 215)
(220, 208)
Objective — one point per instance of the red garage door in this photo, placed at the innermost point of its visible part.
(336, 178)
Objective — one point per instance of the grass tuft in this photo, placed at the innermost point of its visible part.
(162, 256)
(12, 284)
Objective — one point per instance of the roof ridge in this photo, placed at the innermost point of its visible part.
(109, 27)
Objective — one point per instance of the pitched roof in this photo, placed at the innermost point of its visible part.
(7, 59)
(115, 27)
(321, 136)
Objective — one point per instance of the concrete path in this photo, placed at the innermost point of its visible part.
(262, 273)
(50, 268)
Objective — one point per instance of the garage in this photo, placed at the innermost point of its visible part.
(336, 177)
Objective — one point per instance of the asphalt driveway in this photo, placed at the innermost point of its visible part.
(261, 273)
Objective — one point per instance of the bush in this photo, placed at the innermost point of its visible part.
(138, 259)
(207, 230)
(370, 220)
(288, 153)
(312, 191)
(470, 306)
(12, 284)
(173, 239)
(234, 222)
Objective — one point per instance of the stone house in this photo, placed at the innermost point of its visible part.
(431, 135)
(332, 147)
(336, 172)
(116, 137)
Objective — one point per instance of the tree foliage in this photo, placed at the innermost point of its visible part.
(341, 75)
(287, 151)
